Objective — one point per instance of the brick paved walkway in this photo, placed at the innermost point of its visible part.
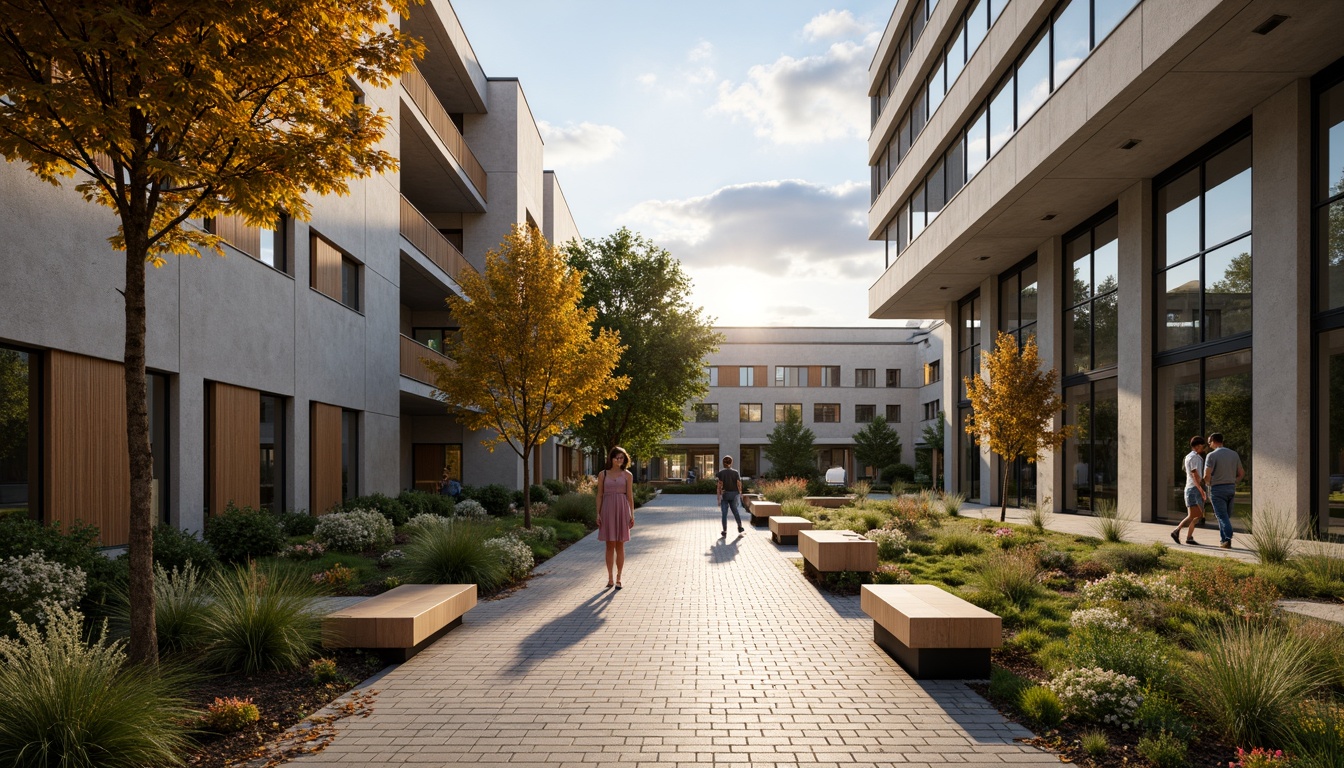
(715, 652)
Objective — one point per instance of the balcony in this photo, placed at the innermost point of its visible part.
(428, 240)
(413, 356)
(445, 132)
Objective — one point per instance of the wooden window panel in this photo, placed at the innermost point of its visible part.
(325, 456)
(233, 464)
(728, 375)
(762, 372)
(238, 234)
(326, 268)
(87, 474)
(814, 375)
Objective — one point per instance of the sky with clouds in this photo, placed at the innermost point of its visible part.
(732, 133)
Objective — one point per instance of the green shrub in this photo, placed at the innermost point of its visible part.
(1041, 706)
(174, 548)
(453, 554)
(575, 508)
(903, 472)
(296, 522)
(644, 493)
(1006, 686)
(388, 507)
(556, 487)
(494, 497)
(1030, 640)
(1159, 712)
(230, 715)
(890, 543)
(780, 491)
(1249, 677)
(1289, 581)
(422, 503)
(698, 487)
(957, 542)
(68, 703)
(1141, 655)
(1219, 589)
(31, 586)
(1095, 744)
(1009, 575)
(1323, 569)
(75, 548)
(539, 493)
(798, 508)
(1316, 736)
(260, 621)
(242, 533)
(1095, 695)
(1131, 558)
(1163, 750)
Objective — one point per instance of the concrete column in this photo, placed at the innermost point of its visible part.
(951, 425)
(1135, 352)
(186, 464)
(1050, 341)
(300, 463)
(1281, 323)
(989, 327)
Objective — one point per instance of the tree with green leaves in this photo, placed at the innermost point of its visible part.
(929, 459)
(1013, 407)
(173, 110)
(792, 448)
(640, 292)
(877, 445)
(527, 363)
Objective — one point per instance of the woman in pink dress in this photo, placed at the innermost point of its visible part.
(615, 510)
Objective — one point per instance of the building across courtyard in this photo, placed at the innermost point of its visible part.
(1152, 189)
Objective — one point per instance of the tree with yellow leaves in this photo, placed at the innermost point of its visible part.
(1013, 407)
(527, 363)
(174, 110)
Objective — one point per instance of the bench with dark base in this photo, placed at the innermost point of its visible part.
(829, 502)
(834, 551)
(762, 510)
(400, 622)
(934, 634)
(750, 498)
(784, 529)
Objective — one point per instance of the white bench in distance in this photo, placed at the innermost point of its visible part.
(400, 622)
(932, 633)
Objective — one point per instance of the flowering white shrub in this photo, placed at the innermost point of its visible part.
(391, 557)
(422, 522)
(355, 531)
(516, 556)
(538, 533)
(309, 550)
(470, 509)
(1103, 618)
(891, 543)
(1122, 586)
(1094, 694)
(33, 586)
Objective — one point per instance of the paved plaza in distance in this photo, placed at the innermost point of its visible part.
(716, 651)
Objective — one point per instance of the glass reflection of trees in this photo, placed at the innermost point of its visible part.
(14, 426)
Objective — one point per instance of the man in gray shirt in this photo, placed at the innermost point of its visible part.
(1222, 472)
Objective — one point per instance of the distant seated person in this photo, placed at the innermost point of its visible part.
(450, 487)
(690, 475)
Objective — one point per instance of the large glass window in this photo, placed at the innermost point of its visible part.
(1330, 423)
(746, 376)
(826, 413)
(1198, 397)
(1017, 316)
(830, 376)
(273, 453)
(1204, 251)
(1328, 199)
(864, 413)
(865, 377)
(1329, 196)
(1091, 455)
(349, 454)
(749, 412)
(893, 413)
(782, 411)
(706, 412)
(1091, 332)
(968, 340)
(790, 376)
(20, 402)
(970, 458)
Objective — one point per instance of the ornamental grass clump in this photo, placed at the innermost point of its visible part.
(799, 508)
(454, 554)
(1095, 695)
(180, 607)
(260, 621)
(1249, 678)
(952, 504)
(68, 702)
(780, 491)
(1041, 705)
(957, 542)
(1011, 576)
(356, 530)
(424, 521)
(1108, 524)
(1274, 534)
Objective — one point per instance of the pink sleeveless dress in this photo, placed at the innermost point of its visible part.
(613, 519)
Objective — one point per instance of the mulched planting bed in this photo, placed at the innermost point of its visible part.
(284, 698)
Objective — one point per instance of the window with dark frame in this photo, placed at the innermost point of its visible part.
(706, 412)
(933, 372)
(1328, 244)
(1091, 282)
(782, 411)
(749, 412)
(865, 377)
(893, 414)
(826, 413)
(864, 414)
(791, 376)
(893, 377)
(930, 410)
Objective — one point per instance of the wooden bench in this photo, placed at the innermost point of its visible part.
(750, 498)
(784, 529)
(835, 551)
(762, 510)
(829, 502)
(932, 633)
(400, 622)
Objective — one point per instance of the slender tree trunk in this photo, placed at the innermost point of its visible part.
(1003, 490)
(527, 487)
(144, 646)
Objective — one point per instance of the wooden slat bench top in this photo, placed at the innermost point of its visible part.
(924, 616)
(402, 617)
(789, 525)
(831, 551)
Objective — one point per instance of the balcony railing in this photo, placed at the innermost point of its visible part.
(424, 98)
(413, 356)
(431, 242)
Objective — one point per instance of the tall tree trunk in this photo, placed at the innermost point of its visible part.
(1003, 490)
(527, 487)
(144, 646)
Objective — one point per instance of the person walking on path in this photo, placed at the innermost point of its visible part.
(729, 491)
(1222, 472)
(615, 510)
(1195, 494)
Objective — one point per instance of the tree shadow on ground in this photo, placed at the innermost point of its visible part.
(969, 710)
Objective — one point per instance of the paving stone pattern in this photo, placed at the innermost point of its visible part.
(716, 651)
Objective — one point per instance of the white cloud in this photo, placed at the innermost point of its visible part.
(702, 51)
(648, 79)
(806, 100)
(786, 228)
(579, 144)
(834, 25)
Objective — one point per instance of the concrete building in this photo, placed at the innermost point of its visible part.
(1093, 173)
(288, 374)
(836, 379)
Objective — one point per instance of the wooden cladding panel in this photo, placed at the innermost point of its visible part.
(413, 357)
(418, 89)
(728, 376)
(234, 461)
(325, 457)
(238, 234)
(814, 375)
(87, 473)
(431, 242)
(326, 268)
(761, 372)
